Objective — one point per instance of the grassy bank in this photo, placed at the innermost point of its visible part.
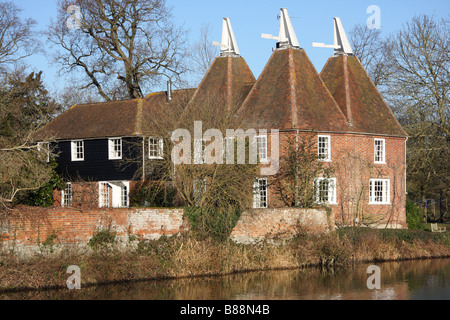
(189, 256)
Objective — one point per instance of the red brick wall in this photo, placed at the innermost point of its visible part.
(30, 226)
(277, 224)
(352, 158)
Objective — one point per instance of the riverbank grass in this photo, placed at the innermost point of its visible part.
(188, 255)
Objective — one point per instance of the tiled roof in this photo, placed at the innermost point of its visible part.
(358, 97)
(225, 84)
(157, 112)
(110, 119)
(289, 94)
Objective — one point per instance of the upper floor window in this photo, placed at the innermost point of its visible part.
(324, 148)
(260, 193)
(115, 148)
(77, 147)
(155, 148)
(261, 144)
(380, 151)
(325, 190)
(379, 191)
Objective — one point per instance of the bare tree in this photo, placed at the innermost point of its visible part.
(122, 48)
(369, 47)
(17, 39)
(412, 69)
(203, 52)
(299, 167)
(419, 91)
(203, 183)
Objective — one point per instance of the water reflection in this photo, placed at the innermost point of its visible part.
(422, 279)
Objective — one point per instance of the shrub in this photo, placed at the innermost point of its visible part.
(359, 234)
(207, 222)
(43, 197)
(414, 216)
(152, 194)
(102, 238)
(50, 241)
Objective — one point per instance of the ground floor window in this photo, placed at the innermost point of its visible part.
(104, 195)
(113, 194)
(379, 191)
(124, 195)
(260, 193)
(67, 195)
(325, 190)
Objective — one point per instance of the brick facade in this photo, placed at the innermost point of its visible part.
(352, 160)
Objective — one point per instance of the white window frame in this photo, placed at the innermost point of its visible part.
(374, 195)
(261, 146)
(332, 187)
(67, 195)
(75, 152)
(104, 202)
(113, 153)
(159, 151)
(377, 149)
(260, 197)
(324, 156)
(125, 195)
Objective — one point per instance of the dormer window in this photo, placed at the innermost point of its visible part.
(115, 148)
(324, 148)
(77, 147)
(380, 151)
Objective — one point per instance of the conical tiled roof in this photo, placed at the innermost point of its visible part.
(358, 97)
(225, 85)
(289, 94)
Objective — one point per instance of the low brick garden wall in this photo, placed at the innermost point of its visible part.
(256, 225)
(31, 228)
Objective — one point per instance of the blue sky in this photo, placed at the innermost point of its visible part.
(312, 21)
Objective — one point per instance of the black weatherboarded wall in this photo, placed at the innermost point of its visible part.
(96, 165)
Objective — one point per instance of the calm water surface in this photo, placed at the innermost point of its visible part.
(410, 280)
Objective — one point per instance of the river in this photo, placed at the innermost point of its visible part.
(407, 280)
